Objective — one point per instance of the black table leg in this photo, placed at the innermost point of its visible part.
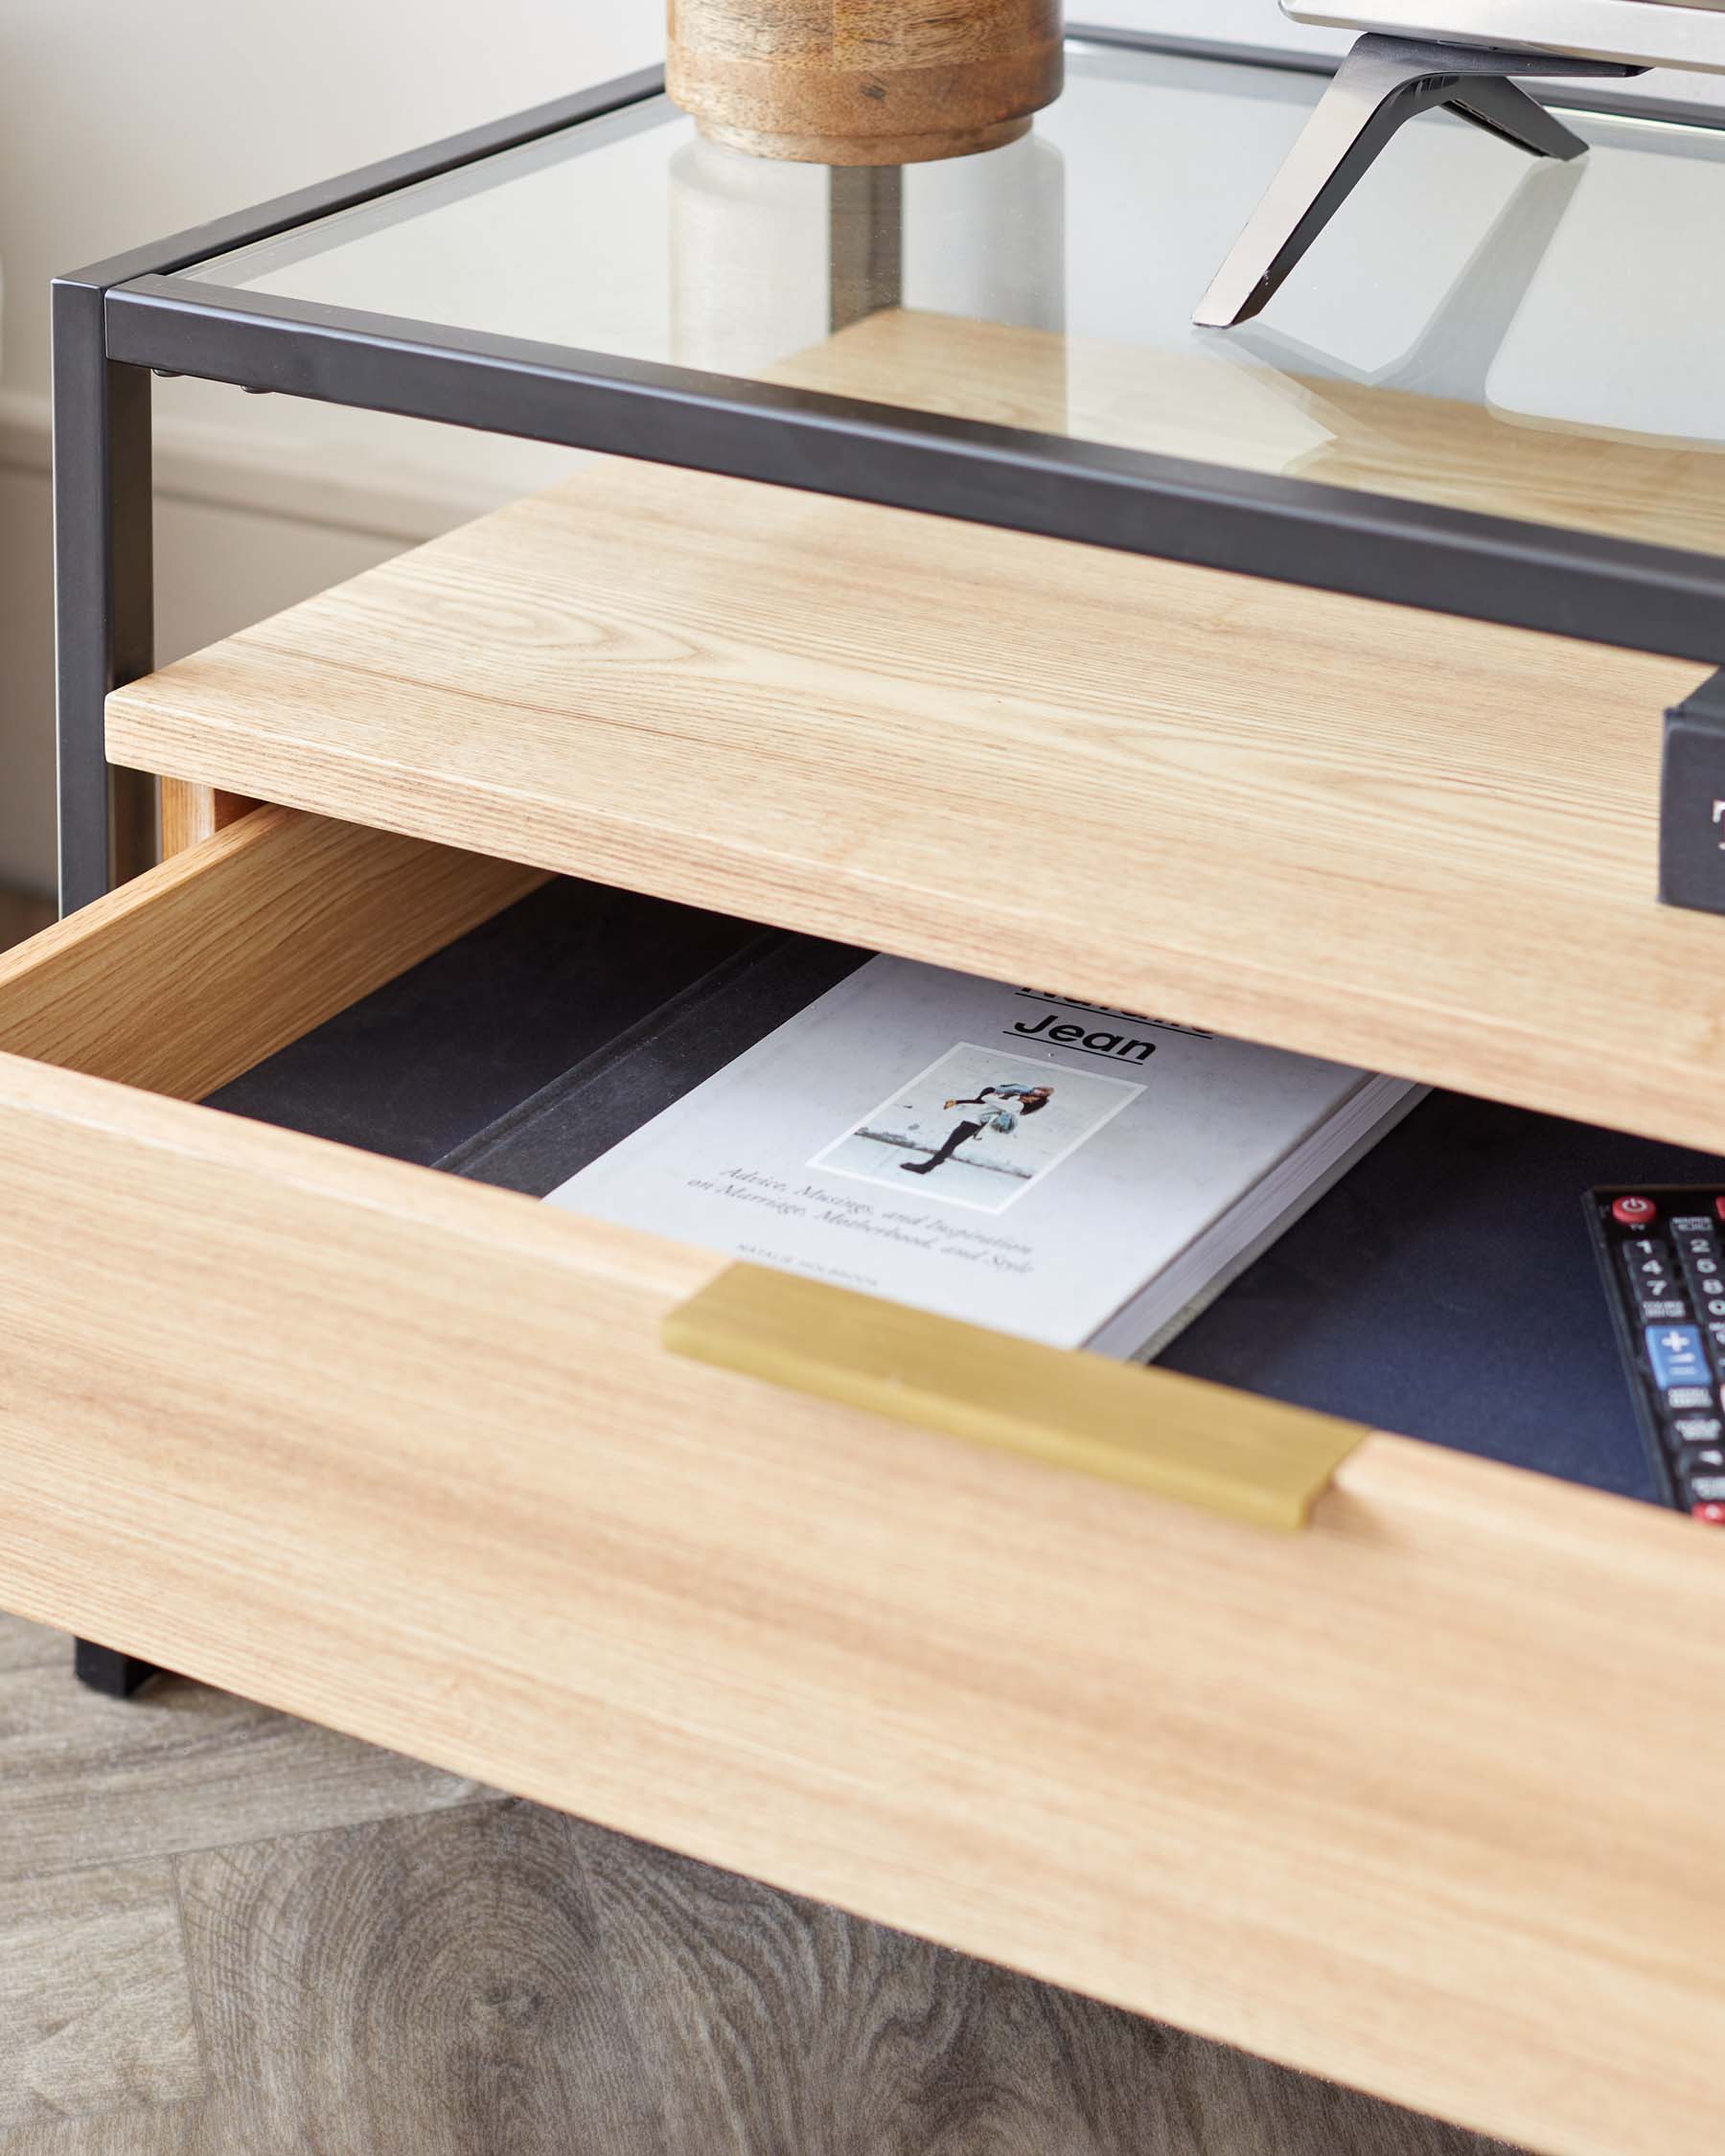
(106, 1670)
(104, 592)
(106, 609)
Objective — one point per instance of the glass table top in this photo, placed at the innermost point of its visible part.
(1537, 341)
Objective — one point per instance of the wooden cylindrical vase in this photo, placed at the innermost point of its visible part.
(864, 81)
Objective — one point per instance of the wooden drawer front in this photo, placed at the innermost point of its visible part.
(1421, 1798)
(193, 974)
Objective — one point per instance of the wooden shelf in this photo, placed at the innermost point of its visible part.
(1415, 843)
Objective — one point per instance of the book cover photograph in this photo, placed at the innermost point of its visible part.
(1003, 1124)
(1071, 1172)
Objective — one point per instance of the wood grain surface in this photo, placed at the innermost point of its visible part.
(1422, 845)
(192, 814)
(198, 969)
(466, 2005)
(906, 2049)
(1224, 406)
(490, 1976)
(89, 1784)
(864, 81)
(95, 2006)
(1409, 1799)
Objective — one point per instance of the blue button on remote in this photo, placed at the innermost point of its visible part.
(1677, 1355)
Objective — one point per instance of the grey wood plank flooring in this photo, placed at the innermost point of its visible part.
(28, 1646)
(224, 1934)
(95, 2004)
(88, 1779)
(434, 1984)
(896, 2048)
(166, 2130)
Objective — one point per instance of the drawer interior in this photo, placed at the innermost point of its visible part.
(1445, 1289)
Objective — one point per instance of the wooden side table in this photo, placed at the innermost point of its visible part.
(1343, 734)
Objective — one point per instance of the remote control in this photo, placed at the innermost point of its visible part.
(1663, 1254)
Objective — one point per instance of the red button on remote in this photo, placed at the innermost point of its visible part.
(1712, 1514)
(1636, 1212)
(1720, 1207)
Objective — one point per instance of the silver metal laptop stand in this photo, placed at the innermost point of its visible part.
(1380, 87)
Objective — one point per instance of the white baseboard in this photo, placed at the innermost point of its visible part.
(248, 520)
(233, 467)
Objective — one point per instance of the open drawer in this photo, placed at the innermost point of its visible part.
(1421, 1797)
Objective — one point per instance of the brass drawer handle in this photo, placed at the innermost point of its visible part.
(1231, 1452)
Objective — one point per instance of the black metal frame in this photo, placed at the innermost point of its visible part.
(116, 322)
(104, 591)
(1692, 802)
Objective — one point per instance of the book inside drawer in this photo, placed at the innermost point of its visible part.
(1444, 1289)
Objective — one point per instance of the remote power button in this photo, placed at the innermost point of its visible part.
(1713, 1515)
(1633, 1212)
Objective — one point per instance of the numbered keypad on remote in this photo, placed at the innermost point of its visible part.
(1662, 1254)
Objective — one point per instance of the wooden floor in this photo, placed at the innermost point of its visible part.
(223, 1933)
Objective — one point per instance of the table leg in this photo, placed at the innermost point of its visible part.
(105, 619)
(105, 593)
(192, 813)
(866, 248)
(105, 1670)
